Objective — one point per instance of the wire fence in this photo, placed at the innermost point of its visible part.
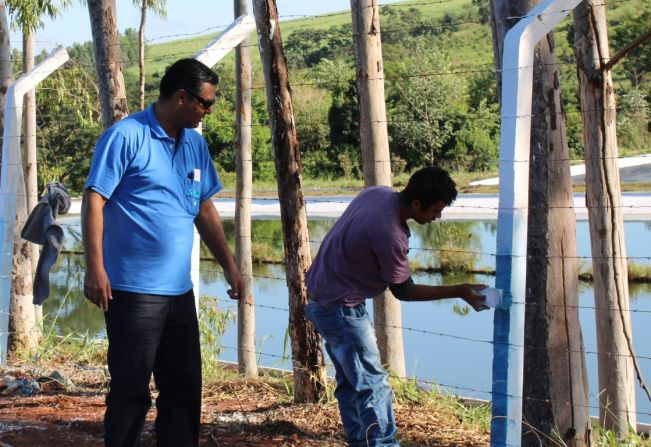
(407, 328)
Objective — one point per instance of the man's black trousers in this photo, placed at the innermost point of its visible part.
(159, 334)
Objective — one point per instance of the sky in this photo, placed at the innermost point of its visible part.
(184, 17)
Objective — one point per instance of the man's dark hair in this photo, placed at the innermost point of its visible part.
(187, 74)
(429, 185)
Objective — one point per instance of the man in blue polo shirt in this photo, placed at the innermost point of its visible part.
(151, 181)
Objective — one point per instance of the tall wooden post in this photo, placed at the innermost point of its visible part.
(374, 142)
(23, 326)
(614, 338)
(108, 61)
(309, 370)
(30, 160)
(246, 358)
(141, 53)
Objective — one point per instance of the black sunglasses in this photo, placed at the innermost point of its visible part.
(206, 104)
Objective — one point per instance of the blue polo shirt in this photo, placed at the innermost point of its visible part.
(154, 187)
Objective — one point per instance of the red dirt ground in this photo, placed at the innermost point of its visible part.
(235, 413)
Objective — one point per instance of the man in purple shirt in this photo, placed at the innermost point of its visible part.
(364, 253)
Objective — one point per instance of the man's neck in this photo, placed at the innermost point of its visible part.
(164, 117)
(405, 210)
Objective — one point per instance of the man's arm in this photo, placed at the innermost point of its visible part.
(211, 231)
(470, 293)
(97, 287)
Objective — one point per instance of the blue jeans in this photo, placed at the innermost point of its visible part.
(363, 391)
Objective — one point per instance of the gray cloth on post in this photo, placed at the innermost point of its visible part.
(41, 228)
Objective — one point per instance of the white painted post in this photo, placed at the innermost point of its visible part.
(226, 41)
(209, 56)
(511, 268)
(12, 181)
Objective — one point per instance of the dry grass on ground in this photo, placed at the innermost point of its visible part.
(236, 412)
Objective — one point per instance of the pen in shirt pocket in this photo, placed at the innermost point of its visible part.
(196, 175)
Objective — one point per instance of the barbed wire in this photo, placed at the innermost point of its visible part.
(425, 332)
(218, 28)
(489, 68)
(490, 160)
(429, 383)
(439, 384)
(393, 121)
(347, 12)
(432, 249)
(540, 305)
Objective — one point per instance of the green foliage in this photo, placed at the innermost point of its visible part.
(634, 120)
(636, 64)
(607, 438)
(129, 43)
(27, 15)
(439, 87)
(213, 323)
(458, 243)
(476, 140)
(69, 122)
(424, 111)
(461, 310)
(306, 48)
(483, 10)
(82, 53)
(158, 7)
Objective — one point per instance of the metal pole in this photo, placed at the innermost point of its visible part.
(209, 56)
(12, 176)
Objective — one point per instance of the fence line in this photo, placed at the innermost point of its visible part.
(434, 249)
(283, 279)
(438, 384)
(346, 12)
(406, 328)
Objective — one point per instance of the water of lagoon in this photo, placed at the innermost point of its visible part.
(441, 345)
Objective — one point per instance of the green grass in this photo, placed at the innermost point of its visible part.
(475, 416)
(470, 45)
(160, 55)
(606, 438)
(469, 49)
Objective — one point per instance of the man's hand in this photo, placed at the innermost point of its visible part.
(97, 288)
(471, 294)
(235, 281)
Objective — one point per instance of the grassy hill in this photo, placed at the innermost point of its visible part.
(474, 40)
(468, 45)
(438, 60)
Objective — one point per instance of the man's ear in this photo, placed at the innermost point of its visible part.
(180, 96)
(416, 205)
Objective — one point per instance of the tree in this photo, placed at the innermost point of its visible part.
(70, 122)
(106, 44)
(376, 161)
(158, 7)
(425, 111)
(246, 355)
(309, 367)
(555, 388)
(609, 263)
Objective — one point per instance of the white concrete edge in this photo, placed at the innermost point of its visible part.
(466, 207)
(577, 170)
